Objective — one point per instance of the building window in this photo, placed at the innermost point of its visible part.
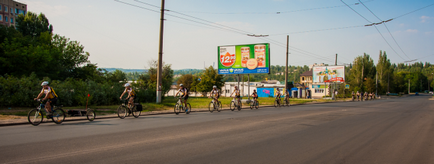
(1, 8)
(1, 17)
(302, 78)
(6, 19)
(6, 9)
(319, 90)
(16, 10)
(12, 20)
(12, 11)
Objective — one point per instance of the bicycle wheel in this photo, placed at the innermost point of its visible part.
(189, 108)
(219, 106)
(35, 117)
(90, 114)
(122, 112)
(211, 107)
(177, 109)
(239, 106)
(58, 116)
(135, 112)
(232, 106)
(257, 105)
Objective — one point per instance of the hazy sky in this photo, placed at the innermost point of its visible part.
(122, 36)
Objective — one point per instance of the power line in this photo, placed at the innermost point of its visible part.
(386, 28)
(414, 11)
(375, 28)
(269, 13)
(225, 27)
(327, 29)
(196, 18)
(182, 18)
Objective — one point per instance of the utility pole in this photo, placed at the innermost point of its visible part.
(336, 59)
(286, 68)
(160, 56)
(408, 86)
(376, 84)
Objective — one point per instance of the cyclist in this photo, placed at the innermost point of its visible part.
(184, 95)
(287, 96)
(358, 96)
(50, 96)
(131, 94)
(237, 94)
(255, 95)
(278, 95)
(215, 94)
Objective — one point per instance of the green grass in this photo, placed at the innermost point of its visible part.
(167, 104)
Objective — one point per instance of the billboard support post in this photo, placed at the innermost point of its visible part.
(248, 85)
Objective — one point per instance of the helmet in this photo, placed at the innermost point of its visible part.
(127, 85)
(214, 86)
(44, 83)
(181, 85)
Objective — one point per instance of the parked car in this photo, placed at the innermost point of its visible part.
(416, 94)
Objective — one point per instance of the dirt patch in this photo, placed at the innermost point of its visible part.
(8, 117)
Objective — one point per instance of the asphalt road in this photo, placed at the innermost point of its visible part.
(384, 131)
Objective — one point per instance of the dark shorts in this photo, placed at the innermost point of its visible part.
(237, 96)
(53, 101)
(185, 97)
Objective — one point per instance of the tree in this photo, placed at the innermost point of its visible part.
(362, 69)
(209, 78)
(385, 72)
(32, 24)
(186, 80)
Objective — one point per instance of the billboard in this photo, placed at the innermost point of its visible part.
(327, 74)
(244, 59)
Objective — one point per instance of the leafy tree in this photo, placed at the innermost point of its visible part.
(209, 78)
(186, 80)
(385, 73)
(32, 24)
(362, 69)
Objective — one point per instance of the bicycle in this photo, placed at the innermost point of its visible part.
(179, 107)
(254, 104)
(277, 102)
(235, 104)
(124, 110)
(36, 116)
(215, 105)
(286, 102)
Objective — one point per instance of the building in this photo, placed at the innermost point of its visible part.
(9, 11)
(264, 89)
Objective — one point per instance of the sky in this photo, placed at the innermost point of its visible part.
(119, 35)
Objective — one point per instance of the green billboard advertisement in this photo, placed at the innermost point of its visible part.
(244, 59)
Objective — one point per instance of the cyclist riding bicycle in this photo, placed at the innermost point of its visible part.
(50, 95)
(214, 93)
(255, 95)
(278, 95)
(237, 94)
(287, 96)
(131, 94)
(184, 95)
